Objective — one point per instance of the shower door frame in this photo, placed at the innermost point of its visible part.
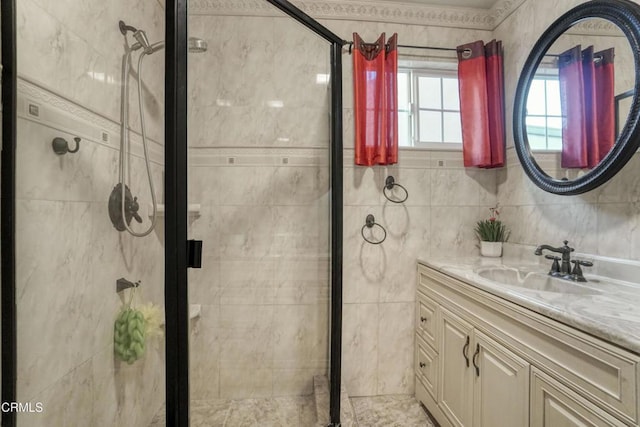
(7, 209)
(176, 263)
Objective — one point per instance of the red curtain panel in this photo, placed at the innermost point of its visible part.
(590, 113)
(375, 67)
(495, 100)
(574, 145)
(604, 100)
(481, 86)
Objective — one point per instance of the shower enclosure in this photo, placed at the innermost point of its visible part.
(239, 145)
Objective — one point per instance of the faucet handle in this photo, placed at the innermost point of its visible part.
(555, 267)
(576, 273)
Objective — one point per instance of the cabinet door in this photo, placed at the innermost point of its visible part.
(456, 391)
(501, 385)
(554, 405)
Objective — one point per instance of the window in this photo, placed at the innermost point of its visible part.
(428, 108)
(544, 113)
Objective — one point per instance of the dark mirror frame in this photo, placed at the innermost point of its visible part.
(626, 15)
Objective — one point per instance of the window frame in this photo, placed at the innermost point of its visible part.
(545, 77)
(414, 73)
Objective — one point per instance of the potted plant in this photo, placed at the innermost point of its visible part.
(492, 233)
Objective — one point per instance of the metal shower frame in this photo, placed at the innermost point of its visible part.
(176, 298)
(176, 253)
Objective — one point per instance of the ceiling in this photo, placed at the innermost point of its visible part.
(475, 4)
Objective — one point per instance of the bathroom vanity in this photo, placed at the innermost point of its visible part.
(506, 345)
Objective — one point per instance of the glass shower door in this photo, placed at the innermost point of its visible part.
(259, 199)
(89, 294)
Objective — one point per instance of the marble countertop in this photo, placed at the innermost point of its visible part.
(611, 312)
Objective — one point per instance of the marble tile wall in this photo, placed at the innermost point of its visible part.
(68, 253)
(604, 221)
(241, 275)
(445, 200)
(258, 141)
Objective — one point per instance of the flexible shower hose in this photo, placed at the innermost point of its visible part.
(124, 145)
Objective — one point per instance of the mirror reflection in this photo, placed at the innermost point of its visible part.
(579, 98)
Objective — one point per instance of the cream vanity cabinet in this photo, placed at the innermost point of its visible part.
(483, 361)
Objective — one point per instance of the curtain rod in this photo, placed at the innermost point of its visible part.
(452, 49)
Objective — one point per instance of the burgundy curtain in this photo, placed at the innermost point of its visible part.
(375, 68)
(605, 101)
(574, 142)
(481, 84)
(590, 113)
(587, 101)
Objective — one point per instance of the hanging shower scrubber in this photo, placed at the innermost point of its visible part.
(129, 333)
(153, 320)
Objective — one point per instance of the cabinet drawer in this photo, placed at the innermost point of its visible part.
(426, 319)
(426, 366)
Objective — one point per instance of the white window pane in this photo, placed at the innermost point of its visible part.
(450, 96)
(403, 91)
(554, 128)
(554, 143)
(535, 98)
(537, 132)
(429, 92)
(553, 98)
(430, 126)
(537, 142)
(404, 130)
(452, 127)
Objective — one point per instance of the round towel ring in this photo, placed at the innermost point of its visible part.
(370, 221)
(389, 183)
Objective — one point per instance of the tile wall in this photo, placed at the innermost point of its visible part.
(445, 201)
(259, 171)
(237, 285)
(68, 253)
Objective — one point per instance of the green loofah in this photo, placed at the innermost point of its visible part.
(129, 335)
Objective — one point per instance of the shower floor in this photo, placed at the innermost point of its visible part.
(379, 411)
(271, 412)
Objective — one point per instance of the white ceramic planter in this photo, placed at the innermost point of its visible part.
(491, 249)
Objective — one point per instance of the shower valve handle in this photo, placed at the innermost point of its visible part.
(133, 209)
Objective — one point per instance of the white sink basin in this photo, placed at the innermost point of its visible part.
(533, 280)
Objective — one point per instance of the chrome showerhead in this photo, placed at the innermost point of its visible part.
(197, 45)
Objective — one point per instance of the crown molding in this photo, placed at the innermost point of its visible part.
(596, 27)
(376, 11)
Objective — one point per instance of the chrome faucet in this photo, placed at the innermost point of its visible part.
(563, 270)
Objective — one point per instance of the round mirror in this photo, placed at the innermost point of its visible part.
(576, 110)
